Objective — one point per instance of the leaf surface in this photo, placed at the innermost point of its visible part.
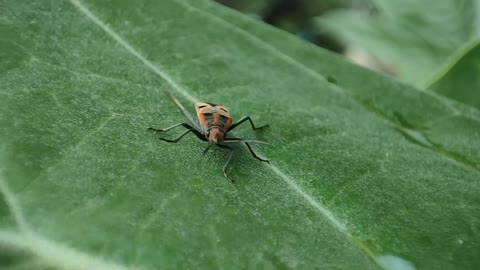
(365, 172)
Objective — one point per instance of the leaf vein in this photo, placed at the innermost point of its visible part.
(84, 74)
(158, 70)
(50, 252)
(71, 149)
(13, 205)
(53, 253)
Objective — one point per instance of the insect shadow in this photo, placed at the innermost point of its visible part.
(212, 125)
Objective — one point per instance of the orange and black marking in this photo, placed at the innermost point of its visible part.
(212, 125)
(214, 120)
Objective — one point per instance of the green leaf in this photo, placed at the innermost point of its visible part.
(418, 38)
(460, 81)
(366, 173)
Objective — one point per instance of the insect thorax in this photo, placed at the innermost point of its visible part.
(213, 117)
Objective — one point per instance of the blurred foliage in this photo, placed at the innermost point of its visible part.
(462, 81)
(296, 16)
(430, 44)
(423, 40)
(415, 36)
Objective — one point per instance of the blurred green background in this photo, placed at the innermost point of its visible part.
(430, 44)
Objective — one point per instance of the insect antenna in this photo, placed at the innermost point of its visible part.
(184, 111)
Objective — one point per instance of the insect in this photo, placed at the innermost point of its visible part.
(212, 125)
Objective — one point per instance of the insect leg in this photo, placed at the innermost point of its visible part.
(238, 140)
(208, 147)
(187, 126)
(228, 161)
(177, 138)
(255, 155)
(245, 118)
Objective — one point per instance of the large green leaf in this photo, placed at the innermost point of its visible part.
(365, 172)
(420, 39)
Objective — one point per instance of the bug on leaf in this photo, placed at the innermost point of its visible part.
(212, 125)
